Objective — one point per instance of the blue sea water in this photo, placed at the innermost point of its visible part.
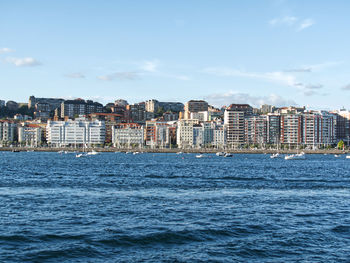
(115, 207)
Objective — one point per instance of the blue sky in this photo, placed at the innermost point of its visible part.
(273, 51)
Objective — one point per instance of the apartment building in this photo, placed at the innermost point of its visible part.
(291, 132)
(128, 135)
(52, 102)
(31, 135)
(184, 133)
(79, 132)
(158, 133)
(273, 128)
(220, 136)
(256, 130)
(318, 128)
(72, 108)
(7, 131)
(153, 105)
(194, 106)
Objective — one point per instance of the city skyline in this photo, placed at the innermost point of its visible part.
(276, 52)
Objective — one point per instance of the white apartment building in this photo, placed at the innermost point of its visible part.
(219, 136)
(206, 115)
(192, 134)
(30, 135)
(234, 120)
(79, 132)
(127, 135)
(7, 131)
(184, 133)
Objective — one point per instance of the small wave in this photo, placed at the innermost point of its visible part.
(14, 238)
(342, 229)
(64, 253)
(166, 238)
(50, 237)
(107, 175)
(238, 178)
(156, 176)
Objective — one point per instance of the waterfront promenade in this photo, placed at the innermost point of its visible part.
(175, 150)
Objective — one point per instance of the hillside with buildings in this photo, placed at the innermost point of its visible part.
(153, 124)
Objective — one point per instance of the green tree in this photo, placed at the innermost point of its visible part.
(159, 112)
(340, 145)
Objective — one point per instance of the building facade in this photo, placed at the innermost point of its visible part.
(79, 132)
(30, 135)
(7, 131)
(128, 135)
(73, 108)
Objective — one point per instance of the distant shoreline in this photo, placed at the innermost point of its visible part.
(243, 151)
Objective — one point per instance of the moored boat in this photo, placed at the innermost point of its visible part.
(276, 155)
(298, 156)
(93, 152)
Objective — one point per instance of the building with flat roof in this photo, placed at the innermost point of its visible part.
(72, 108)
(7, 131)
(128, 135)
(53, 103)
(79, 132)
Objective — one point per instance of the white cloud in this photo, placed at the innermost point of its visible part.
(76, 75)
(283, 78)
(293, 22)
(324, 65)
(305, 24)
(23, 62)
(314, 67)
(221, 99)
(6, 50)
(299, 70)
(286, 20)
(119, 75)
(150, 66)
(277, 76)
(182, 77)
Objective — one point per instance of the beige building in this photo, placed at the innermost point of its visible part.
(195, 106)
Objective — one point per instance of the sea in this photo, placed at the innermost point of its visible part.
(167, 207)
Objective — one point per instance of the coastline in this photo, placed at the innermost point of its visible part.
(176, 150)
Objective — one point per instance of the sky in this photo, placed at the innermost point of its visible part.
(277, 52)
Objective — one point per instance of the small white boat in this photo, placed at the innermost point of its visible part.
(347, 157)
(179, 153)
(298, 156)
(228, 155)
(134, 153)
(93, 152)
(220, 154)
(336, 155)
(200, 156)
(276, 155)
(79, 155)
(60, 152)
(127, 152)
